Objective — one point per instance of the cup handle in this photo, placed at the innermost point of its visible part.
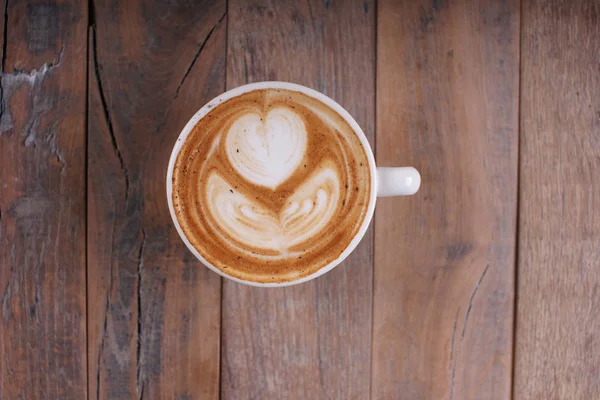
(399, 181)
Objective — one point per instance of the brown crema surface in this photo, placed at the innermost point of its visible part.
(330, 144)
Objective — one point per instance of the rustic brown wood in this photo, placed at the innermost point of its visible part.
(154, 311)
(42, 200)
(557, 352)
(447, 103)
(310, 341)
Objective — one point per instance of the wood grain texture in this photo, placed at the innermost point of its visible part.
(154, 311)
(557, 352)
(42, 200)
(312, 340)
(447, 103)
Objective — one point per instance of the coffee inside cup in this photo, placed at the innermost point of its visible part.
(271, 186)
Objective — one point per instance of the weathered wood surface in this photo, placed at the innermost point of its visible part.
(423, 309)
(312, 340)
(447, 103)
(557, 352)
(42, 200)
(153, 310)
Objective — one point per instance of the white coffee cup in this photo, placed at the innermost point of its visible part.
(396, 181)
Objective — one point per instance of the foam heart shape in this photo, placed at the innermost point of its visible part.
(266, 151)
(308, 211)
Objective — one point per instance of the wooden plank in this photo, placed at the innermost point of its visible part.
(557, 352)
(42, 200)
(154, 311)
(447, 103)
(312, 340)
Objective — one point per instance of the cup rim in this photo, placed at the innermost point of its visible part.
(311, 93)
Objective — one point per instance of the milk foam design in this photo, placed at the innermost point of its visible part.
(249, 223)
(267, 151)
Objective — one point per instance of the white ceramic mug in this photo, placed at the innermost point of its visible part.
(397, 181)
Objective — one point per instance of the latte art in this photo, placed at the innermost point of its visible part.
(267, 151)
(270, 186)
(251, 224)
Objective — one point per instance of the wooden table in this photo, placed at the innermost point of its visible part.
(485, 285)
